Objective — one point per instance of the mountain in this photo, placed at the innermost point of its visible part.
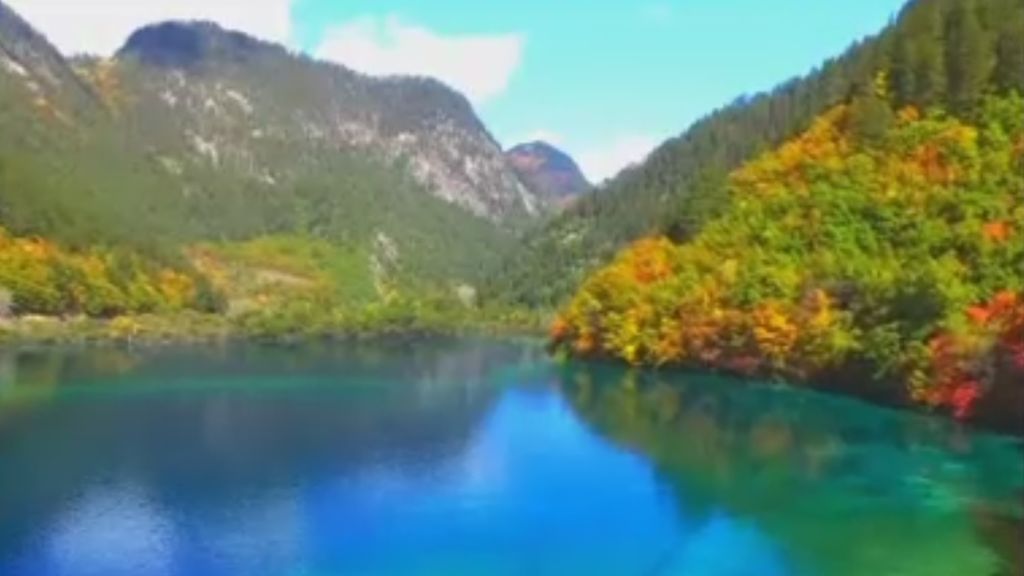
(192, 133)
(26, 54)
(66, 168)
(936, 52)
(205, 96)
(876, 253)
(547, 171)
(885, 263)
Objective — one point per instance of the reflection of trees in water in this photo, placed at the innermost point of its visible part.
(30, 376)
(286, 416)
(1003, 529)
(844, 488)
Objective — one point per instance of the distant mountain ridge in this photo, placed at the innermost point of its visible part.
(929, 49)
(185, 44)
(216, 81)
(549, 172)
(194, 133)
(201, 78)
(28, 55)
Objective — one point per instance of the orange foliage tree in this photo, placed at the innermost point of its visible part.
(840, 250)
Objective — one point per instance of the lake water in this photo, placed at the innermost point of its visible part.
(476, 457)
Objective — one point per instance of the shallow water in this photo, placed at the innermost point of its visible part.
(476, 457)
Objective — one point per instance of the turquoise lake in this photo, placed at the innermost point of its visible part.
(477, 457)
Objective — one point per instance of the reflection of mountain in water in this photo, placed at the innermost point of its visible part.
(198, 428)
(845, 488)
(383, 458)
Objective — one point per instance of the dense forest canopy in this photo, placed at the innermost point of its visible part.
(862, 219)
(882, 247)
(114, 172)
(937, 53)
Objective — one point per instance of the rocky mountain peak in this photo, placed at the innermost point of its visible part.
(548, 172)
(210, 104)
(235, 101)
(188, 44)
(31, 65)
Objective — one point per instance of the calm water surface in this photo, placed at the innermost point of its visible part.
(476, 458)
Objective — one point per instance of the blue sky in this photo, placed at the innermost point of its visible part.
(605, 79)
(609, 79)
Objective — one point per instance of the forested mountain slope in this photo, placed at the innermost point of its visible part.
(936, 53)
(881, 255)
(549, 172)
(192, 134)
(204, 97)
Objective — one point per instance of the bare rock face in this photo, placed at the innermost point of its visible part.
(199, 98)
(548, 172)
(30, 64)
(202, 97)
(192, 133)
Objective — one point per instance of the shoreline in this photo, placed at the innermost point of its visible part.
(999, 412)
(995, 413)
(157, 330)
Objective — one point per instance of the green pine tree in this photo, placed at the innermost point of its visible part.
(929, 69)
(969, 57)
(902, 71)
(1009, 69)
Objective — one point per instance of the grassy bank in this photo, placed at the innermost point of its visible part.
(301, 323)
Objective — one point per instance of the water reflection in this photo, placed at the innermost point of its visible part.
(844, 488)
(112, 444)
(473, 457)
(437, 458)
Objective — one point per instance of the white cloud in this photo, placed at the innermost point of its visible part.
(479, 66)
(605, 161)
(101, 26)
